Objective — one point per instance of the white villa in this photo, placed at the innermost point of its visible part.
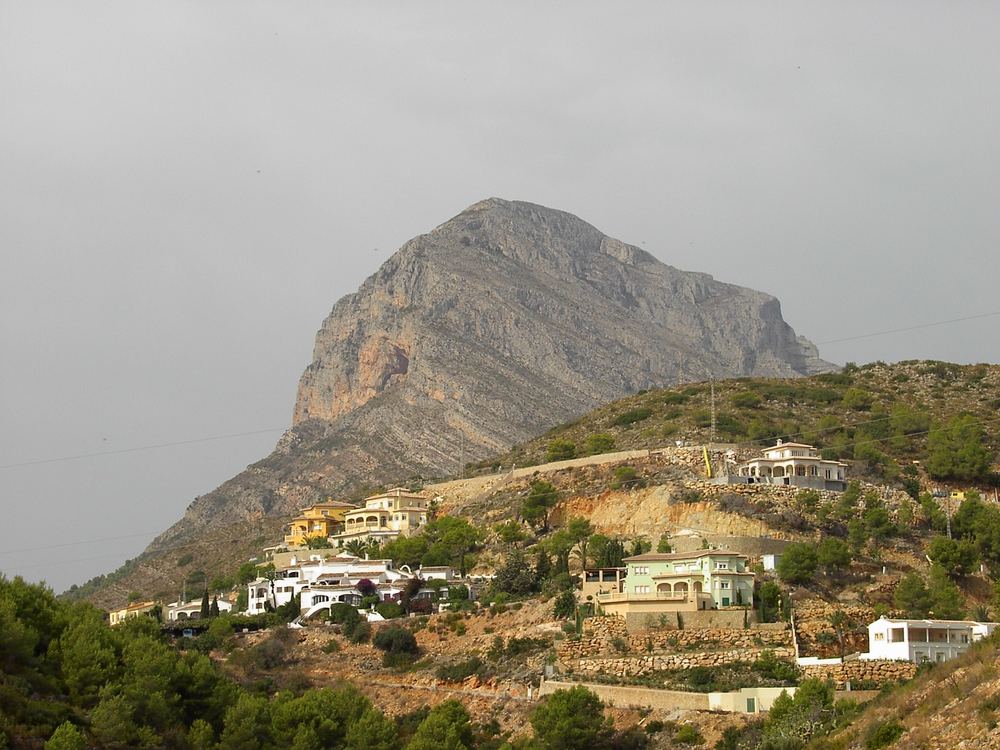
(322, 583)
(384, 517)
(795, 464)
(191, 610)
(923, 640)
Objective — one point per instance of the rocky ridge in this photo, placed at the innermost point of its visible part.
(496, 325)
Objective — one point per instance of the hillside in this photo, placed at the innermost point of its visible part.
(499, 323)
(879, 414)
(951, 705)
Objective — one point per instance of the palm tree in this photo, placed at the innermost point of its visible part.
(357, 547)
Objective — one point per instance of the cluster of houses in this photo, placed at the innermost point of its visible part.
(328, 575)
(654, 586)
(382, 518)
(320, 580)
(706, 587)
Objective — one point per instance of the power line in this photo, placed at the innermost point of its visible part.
(229, 436)
(78, 543)
(908, 328)
(138, 448)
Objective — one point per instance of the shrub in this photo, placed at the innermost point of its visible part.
(361, 632)
(883, 735)
(798, 563)
(565, 605)
(571, 720)
(745, 400)
(332, 646)
(858, 399)
(688, 735)
(395, 639)
(460, 671)
(560, 450)
(626, 476)
(632, 416)
(654, 726)
(599, 443)
(389, 610)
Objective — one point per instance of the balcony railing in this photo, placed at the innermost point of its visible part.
(630, 596)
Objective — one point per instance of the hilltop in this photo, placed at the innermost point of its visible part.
(878, 414)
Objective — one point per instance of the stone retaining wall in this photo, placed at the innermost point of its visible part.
(632, 666)
(621, 696)
(878, 672)
(606, 635)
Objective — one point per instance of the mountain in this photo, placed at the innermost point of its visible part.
(500, 323)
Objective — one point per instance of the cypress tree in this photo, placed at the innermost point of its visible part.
(205, 608)
(214, 611)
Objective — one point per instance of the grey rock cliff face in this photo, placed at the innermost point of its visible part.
(493, 327)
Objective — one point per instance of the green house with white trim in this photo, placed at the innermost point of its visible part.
(681, 582)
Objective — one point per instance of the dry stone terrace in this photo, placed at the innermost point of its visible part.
(637, 666)
(862, 672)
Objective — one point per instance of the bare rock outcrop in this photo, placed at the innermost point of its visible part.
(493, 327)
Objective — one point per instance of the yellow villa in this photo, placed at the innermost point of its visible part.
(322, 519)
(386, 516)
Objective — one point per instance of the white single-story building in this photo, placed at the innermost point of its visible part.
(747, 700)
(918, 641)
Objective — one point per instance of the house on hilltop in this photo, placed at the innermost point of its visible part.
(792, 464)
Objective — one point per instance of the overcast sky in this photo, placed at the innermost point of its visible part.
(186, 188)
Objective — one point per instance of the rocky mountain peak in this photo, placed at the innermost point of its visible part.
(498, 324)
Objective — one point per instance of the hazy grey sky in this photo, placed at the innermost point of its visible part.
(188, 187)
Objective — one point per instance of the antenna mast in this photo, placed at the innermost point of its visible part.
(712, 386)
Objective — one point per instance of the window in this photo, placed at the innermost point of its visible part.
(829, 474)
(724, 585)
(751, 705)
(641, 570)
(642, 589)
(722, 566)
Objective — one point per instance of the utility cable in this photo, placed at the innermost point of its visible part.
(138, 448)
(908, 328)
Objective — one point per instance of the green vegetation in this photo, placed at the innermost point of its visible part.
(447, 540)
(571, 720)
(632, 416)
(885, 416)
(66, 677)
(541, 499)
(560, 450)
(798, 563)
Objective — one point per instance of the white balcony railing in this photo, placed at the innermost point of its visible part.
(630, 596)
